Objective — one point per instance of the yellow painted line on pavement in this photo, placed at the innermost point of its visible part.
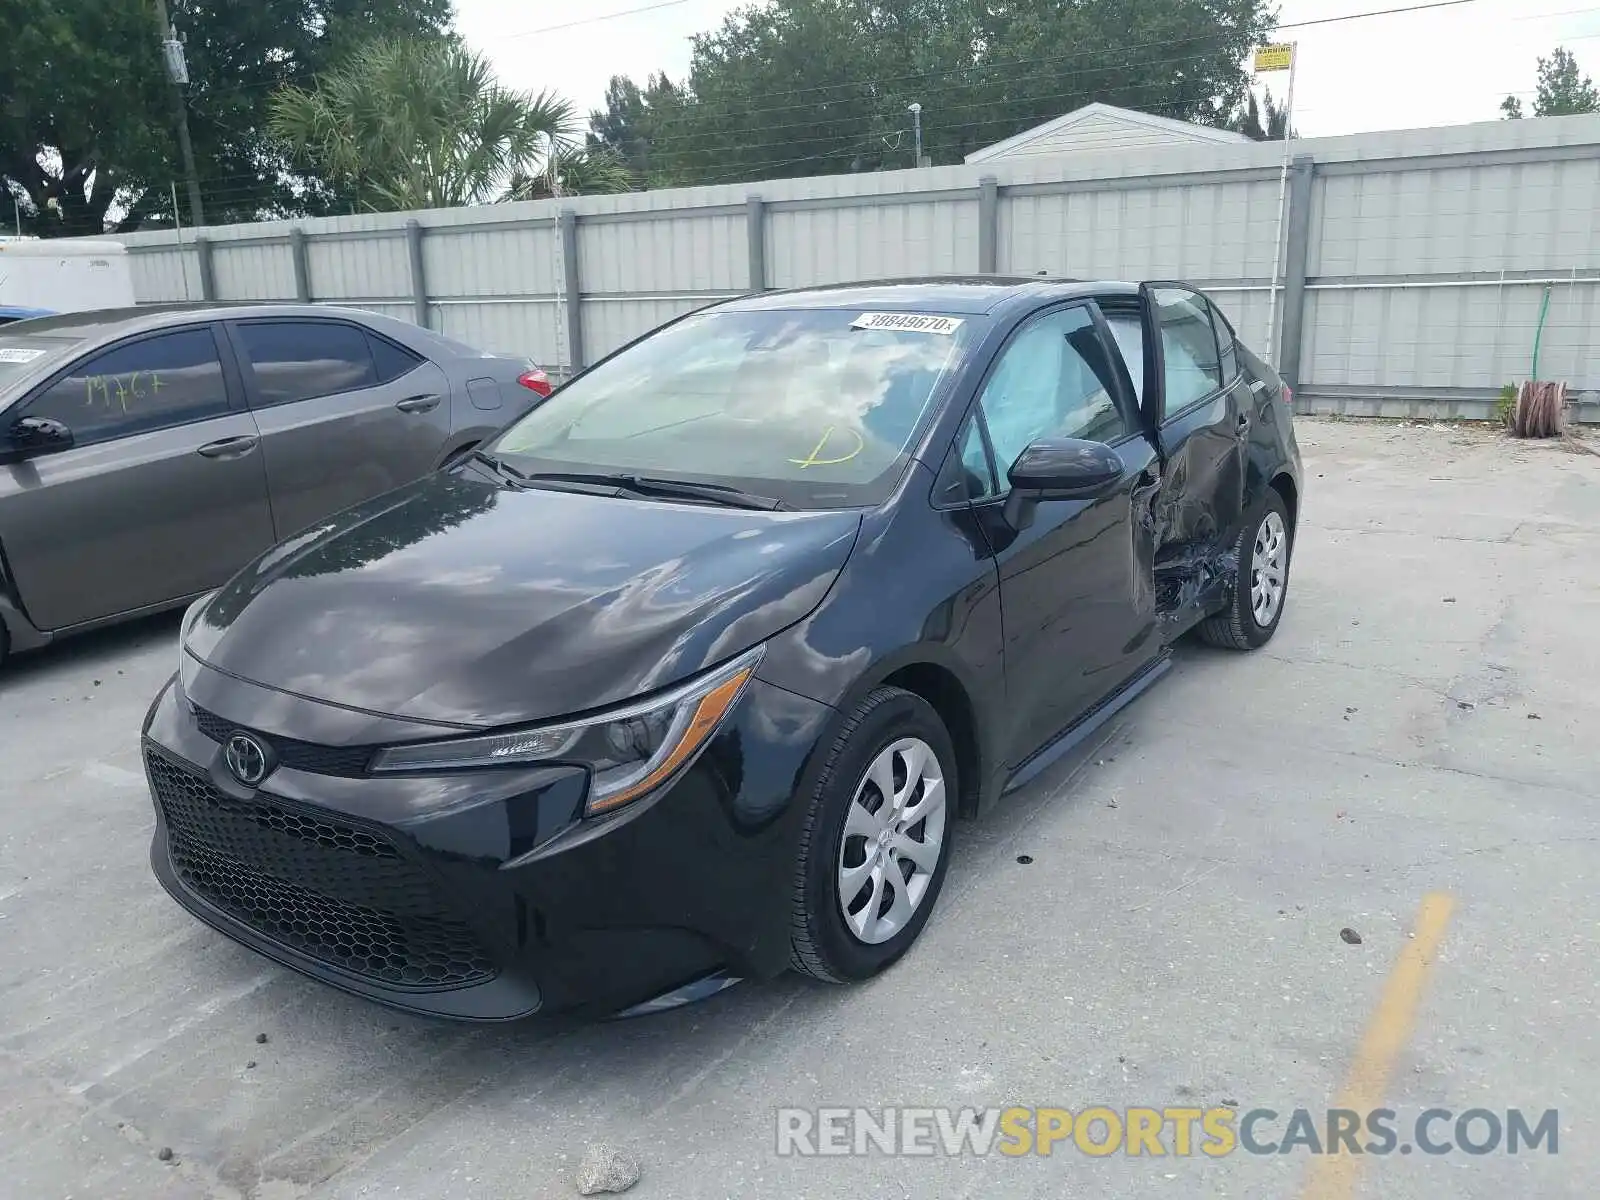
(1333, 1176)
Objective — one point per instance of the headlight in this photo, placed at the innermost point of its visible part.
(628, 751)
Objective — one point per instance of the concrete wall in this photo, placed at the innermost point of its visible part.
(1415, 262)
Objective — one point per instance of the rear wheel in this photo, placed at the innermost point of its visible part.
(1262, 584)
(876, 841)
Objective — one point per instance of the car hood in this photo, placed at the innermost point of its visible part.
(459, 601)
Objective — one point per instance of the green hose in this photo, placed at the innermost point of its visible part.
(1538, 334)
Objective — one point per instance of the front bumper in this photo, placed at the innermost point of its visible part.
(480, 895)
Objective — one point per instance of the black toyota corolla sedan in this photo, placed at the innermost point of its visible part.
(688, 674)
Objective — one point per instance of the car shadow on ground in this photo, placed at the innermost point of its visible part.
(99, 649)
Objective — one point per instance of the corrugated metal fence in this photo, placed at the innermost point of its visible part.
(1414, 263)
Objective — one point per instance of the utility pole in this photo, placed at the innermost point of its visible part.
(915, 109)
(177, 76)
(1279, 57)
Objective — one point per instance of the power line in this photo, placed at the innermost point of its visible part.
(1003, 64)
(627, 12)
(252, 186)
(1383, 12)
(247, 188)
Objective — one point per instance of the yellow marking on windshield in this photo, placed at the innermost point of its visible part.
(811, 460)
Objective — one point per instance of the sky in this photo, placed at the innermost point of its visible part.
(1447, 66)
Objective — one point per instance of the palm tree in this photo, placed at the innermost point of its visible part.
(410, 124)
(581, 170)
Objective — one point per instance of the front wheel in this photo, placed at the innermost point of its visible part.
(876, 841)
(1262, 583)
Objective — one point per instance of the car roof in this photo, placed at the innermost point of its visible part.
(969, 294)
(90, 329)
(111, 322)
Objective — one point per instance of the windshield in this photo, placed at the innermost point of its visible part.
(20, 354)
(815, 407)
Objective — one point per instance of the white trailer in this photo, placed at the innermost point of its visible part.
(64, 275)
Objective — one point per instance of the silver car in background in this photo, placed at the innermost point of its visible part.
(147, 454)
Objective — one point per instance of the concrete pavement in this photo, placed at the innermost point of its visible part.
(1423, 723)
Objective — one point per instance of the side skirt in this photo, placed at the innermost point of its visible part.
(1075, 734)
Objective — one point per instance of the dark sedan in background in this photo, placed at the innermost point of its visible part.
(148, 454)
(687, 674)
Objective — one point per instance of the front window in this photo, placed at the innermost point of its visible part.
(154, 383)
(818, 408)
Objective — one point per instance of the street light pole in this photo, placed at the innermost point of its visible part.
(915, 109)
(177, 76)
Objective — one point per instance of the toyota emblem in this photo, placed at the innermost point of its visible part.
(246, 758)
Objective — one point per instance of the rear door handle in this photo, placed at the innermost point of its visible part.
(231, 447)
(419, 404)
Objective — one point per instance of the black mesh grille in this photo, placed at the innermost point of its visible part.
(339, 893)
(346, 761)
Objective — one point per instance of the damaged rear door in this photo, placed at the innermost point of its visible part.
(1201, 412)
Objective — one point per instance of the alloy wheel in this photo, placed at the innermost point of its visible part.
(1269, 569)
(893, 838)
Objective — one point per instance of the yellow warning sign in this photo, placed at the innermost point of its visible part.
(1279, 57)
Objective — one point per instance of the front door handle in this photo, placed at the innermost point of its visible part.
(419, 404)
(231, 447)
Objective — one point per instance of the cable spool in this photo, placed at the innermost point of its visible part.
(1540, 410)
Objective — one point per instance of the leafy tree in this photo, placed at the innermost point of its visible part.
(634, 118)
(420, 124)
(581, 170)
(799, 87)
(1562, 89)
(1264, 122)
(86, 129)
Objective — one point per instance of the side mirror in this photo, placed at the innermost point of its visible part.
(31, 436)
(1060, 469)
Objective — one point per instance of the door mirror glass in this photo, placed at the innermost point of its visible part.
(30, 436)
(1065, 469)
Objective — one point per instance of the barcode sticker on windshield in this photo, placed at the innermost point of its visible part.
(18, 354)
(907, 323)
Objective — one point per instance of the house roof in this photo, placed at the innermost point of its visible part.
(1097, 112)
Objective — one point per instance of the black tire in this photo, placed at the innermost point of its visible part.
(1236, 627)
(822, 945)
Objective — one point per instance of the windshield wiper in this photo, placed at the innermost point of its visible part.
(503, 469)
(653, 486)
(522, 481)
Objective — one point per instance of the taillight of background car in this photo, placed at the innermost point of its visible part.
(1288, 397)
(535, 380)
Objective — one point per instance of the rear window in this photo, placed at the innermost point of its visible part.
(301, 360)
(390, 360)
(19, 355)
